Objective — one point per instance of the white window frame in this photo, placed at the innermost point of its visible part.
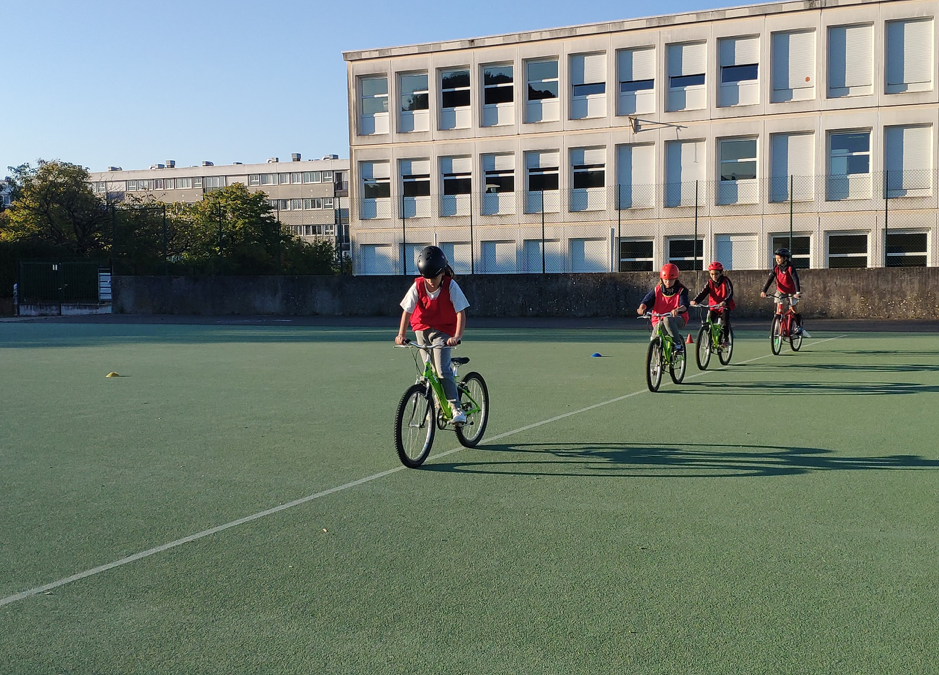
(888, 256)
(737, 190)
(589, 101)
(840, 256)
(850, 184)
(636, 263)
(374, 122)
(547, 108)
(500, 112)
(912, 74)
(456, 116)
(635, 100)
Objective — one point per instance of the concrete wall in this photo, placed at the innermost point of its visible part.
(866, 293)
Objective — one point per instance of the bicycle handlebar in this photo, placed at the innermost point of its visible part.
(650, 315)
(427, 348)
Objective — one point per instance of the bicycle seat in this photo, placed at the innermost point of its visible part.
(459, 360)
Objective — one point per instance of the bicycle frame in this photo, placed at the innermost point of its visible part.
(430, 378)
(668, 343)
(785, 317)
(714, 327)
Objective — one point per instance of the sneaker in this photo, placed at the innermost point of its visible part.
(458, 416)
(798, 331)
(679, 347)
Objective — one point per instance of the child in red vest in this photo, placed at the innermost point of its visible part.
(787, 283)
(719, 291)
(436, 309)
(668, 297)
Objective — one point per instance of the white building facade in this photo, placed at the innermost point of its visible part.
(624, 145)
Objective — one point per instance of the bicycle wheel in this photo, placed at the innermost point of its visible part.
(775, 334)
(702, 353)
(725, 353)
(795, 341)
(676, 369)
(415, 425)
(654, 364)
(474, 397)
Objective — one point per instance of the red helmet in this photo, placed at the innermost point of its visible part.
(715, 266)
(669, 271)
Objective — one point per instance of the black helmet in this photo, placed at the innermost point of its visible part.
(784, 252)
(431, 261)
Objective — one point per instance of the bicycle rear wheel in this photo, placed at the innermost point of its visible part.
(795, 341)
(415, 425)
(676, 369)
(654, 364)
(702, 353)
(474, 397)
(725, 353)
(775, 335)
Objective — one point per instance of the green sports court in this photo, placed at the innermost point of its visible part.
(233, 503)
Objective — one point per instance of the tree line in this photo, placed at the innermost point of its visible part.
(55, 215)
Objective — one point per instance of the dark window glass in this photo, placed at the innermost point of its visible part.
(416, 186)
(636, 85)
(455, 79)
(501, 75)
(456, 184)
(498, 95)
(733, 171)
(847, 143)
(859, 164)
(542, 70)
(414, 102)
(739, 73)
(455, 99)
(850, 243)
(843, 263)
(377, 190)
(371, 106)
(588, 89)
(906, 261)
(588, 177)
(635, 249)
(635, 265)
(685, 248)
(542, 90)
(686, 80)
(500, 182)
(906, 243)
(799, 249)
(542, 181)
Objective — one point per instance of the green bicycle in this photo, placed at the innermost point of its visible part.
(662, 354)
(711, 340)
(424, 408)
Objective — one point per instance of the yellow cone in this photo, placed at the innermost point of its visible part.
(112, 374)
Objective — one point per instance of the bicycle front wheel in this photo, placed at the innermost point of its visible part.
(415, 425)
(654, 364)
(474, 398)
(702, 353)
(676, 369)
(724, 353)
(775, 335)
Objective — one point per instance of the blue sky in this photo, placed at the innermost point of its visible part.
(130, 84)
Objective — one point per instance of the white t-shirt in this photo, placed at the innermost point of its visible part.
(409, 304)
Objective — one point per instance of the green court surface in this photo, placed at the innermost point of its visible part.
(775, 516)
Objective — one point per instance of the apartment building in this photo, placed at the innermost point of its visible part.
(308, 196)
(624, 145)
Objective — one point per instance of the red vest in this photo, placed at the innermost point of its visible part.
(664, 304)
(437, 314)
(784, 281)
(718, 292)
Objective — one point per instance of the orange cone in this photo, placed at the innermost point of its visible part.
(689, 340)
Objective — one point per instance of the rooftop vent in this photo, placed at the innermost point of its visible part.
(208, 164)
(330, 156)
(115, 168)
(157, 166)
(273, 160)
(236, 163)
(171, 163)
(295, 157)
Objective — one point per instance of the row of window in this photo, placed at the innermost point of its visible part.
(850, 68)
(215, 182)
(313, 230)
(312, 204)
(907, 152)
(737, 252)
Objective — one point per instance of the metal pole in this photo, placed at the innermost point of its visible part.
(166, 270)
(694, 244)
(338, 230)
(404, 238)
(113, 237)
(543, 266)
(472, 256)
(791, 199)
(886, 209)
(619, 224)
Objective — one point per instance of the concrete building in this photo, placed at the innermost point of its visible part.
(307, 195)
(624, 145)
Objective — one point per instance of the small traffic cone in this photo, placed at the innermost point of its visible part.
(689, 340)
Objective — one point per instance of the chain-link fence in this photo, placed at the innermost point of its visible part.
(881, 219)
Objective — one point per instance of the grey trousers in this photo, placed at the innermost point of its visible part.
(441, 359)
(673, 324)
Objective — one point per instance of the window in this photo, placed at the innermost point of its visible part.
(635, 255)
(377, 259)
(327, 202)
(542, 176)
(906, 249)
(283, 204)
(498, 95)
(197, 182)
(414, 114)
(793, 66)
(849, 165)
(131, 186)
(376, 190)
(588, 179)
(296, 204)
(143, 184)
(684, 173)
(686, 76)
(636, 68)
(498, 257)
(635, 171)
(312, 177)
(170, 184)
(792, 158)
(738, 171)
(455, 99)
(183, 183)
(307, 204)
(542, 256)
(317, 203)
(909, 55)
(588, 85)
(284, 179)
(499, 186)
(456, 173)
(415, 188)
(295, 178)
(847, 250)
(254, 179)
(373, 118)
(800, 247)
(687, 254)
(157, 184)
(850, 60)
(740, 70)
(542, 104)
(588, 255)
(908, 160)
(214, 182)
(268, 179)
(327, 176)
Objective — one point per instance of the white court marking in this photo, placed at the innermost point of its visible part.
(303, 500)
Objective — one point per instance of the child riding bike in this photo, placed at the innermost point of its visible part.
(787, 283)
(436, 309)
(720, 292)
(669, 296)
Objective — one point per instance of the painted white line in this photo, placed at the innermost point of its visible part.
(303, 500)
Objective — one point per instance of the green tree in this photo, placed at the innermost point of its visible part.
(146, 229)
(317, 257)
(53, 204)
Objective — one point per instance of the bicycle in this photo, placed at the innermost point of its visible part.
(712, 340)
(784, 325)
(424, 408)
(661, 354)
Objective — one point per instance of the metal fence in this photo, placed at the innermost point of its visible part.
(863, 220)
(59, 283)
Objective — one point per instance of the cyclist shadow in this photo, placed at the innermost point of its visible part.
(802, 388)
(667, 460)
(873, 368)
